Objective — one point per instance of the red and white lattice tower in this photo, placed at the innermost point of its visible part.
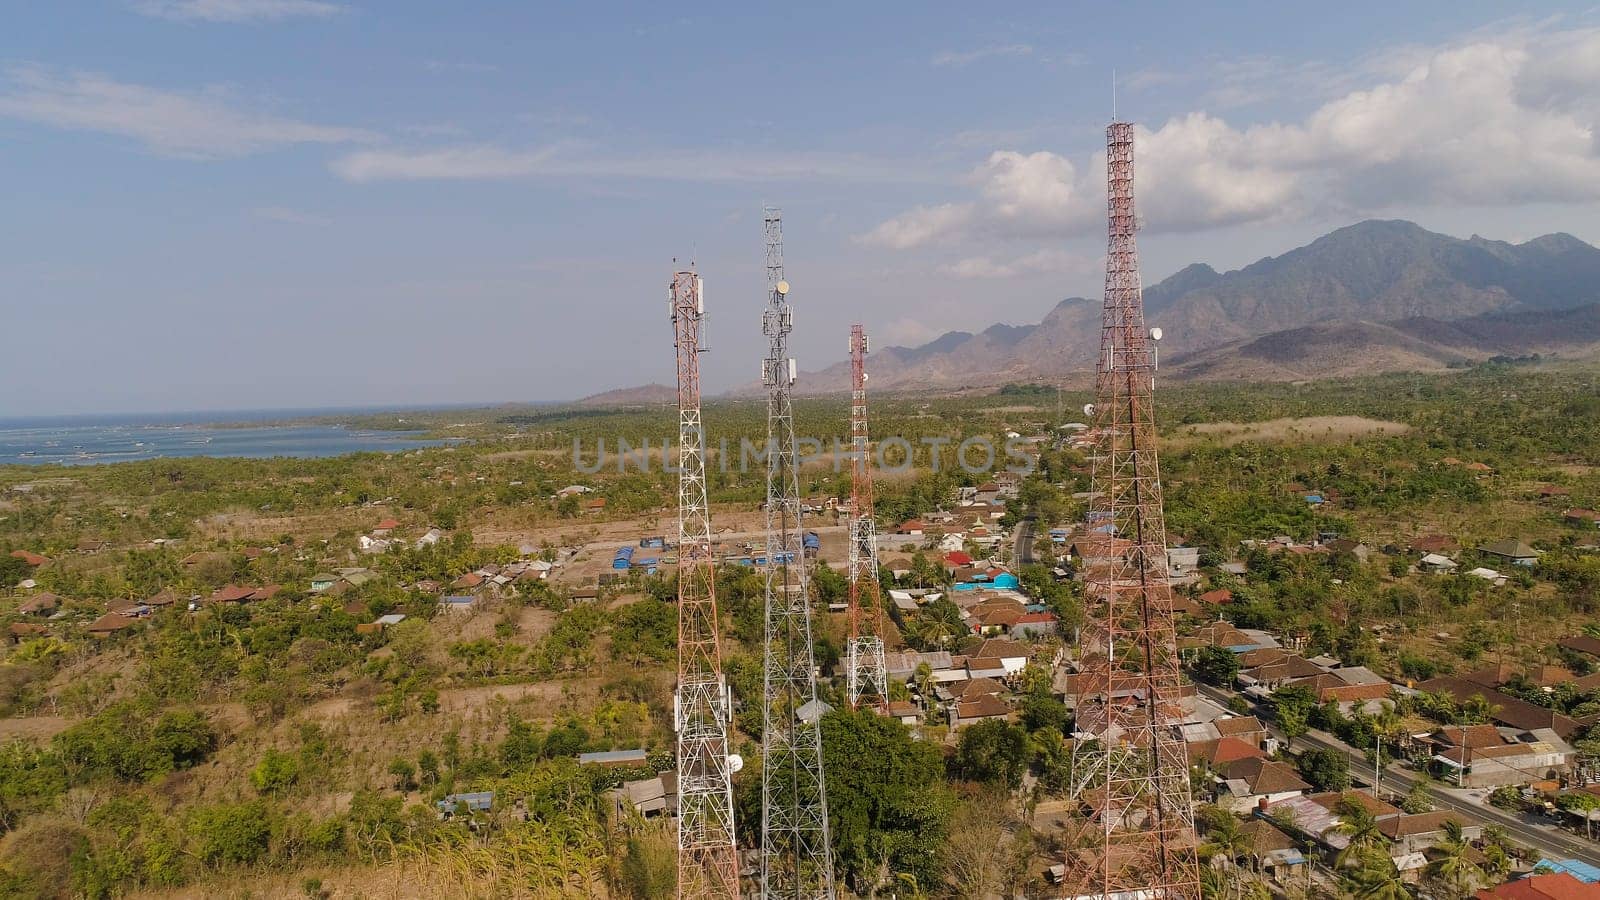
(1136, 840)
(708, 862)
(866, 669)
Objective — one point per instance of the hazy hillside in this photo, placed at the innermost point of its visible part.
(1321, 305)
(643, 395)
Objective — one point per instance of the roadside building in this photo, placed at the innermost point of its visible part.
(1416, 833)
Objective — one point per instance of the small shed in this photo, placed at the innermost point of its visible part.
(476, 801)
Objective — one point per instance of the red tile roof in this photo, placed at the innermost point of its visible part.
(1559, 886)
(986, 706)
(32, 559)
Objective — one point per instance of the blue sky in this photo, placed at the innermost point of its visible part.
(280, 203)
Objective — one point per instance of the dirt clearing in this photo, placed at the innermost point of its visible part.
(1304, 430)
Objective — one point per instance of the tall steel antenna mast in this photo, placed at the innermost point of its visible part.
(796, 856)
(708, 861)
(1137, 837)
(866, 669)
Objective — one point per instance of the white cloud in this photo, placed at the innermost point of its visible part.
(921, 225)
(236, 10)
(575, 161)
(446, 163)
(1049, 260)
(909, 332)
(287, 216)
(195, 125)
(1498, 121)
(968, 57)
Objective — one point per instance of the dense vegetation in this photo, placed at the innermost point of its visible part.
(282, 738)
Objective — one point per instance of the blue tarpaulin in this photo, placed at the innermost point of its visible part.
(1576, 868)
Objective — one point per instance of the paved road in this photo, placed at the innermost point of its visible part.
(1023, 551)
(1548, 840)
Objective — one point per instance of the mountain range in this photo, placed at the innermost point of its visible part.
(1371, 297)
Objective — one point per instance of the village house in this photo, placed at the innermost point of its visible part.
(32, 559)
(970, 712)
(1319, 816)
(21, 631)
(1261, 680)
(1505, 710)
(1229, 637)
(906, 712)
(1481, 756)
(1417, 832)
(650, 797)
(1182, 564)
(1351, 688)
(1489, 575)
(1216, 754)
(1355, 548)
(1271, 850)
(1586, 518)
(1588, 646)
(1436, 562)
(43, 603)
(109, 624)
(233, 593)
(1512, 551)
(1551, 886)
(1255, 782)
(1035, 624)
(1434, 543)
(199, 558)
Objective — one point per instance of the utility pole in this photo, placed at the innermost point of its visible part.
(1136, 838)
(708, 860)
(866, 668)
(796, 855)
(1377, 768)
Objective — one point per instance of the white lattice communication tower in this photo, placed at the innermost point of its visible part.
(708, 861)
(866, 669)
(796, 856)
(1136, 837)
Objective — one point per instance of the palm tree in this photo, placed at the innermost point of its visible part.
(1227, 839)
(1378, 879)
(1453, 867)
(1358, 824)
